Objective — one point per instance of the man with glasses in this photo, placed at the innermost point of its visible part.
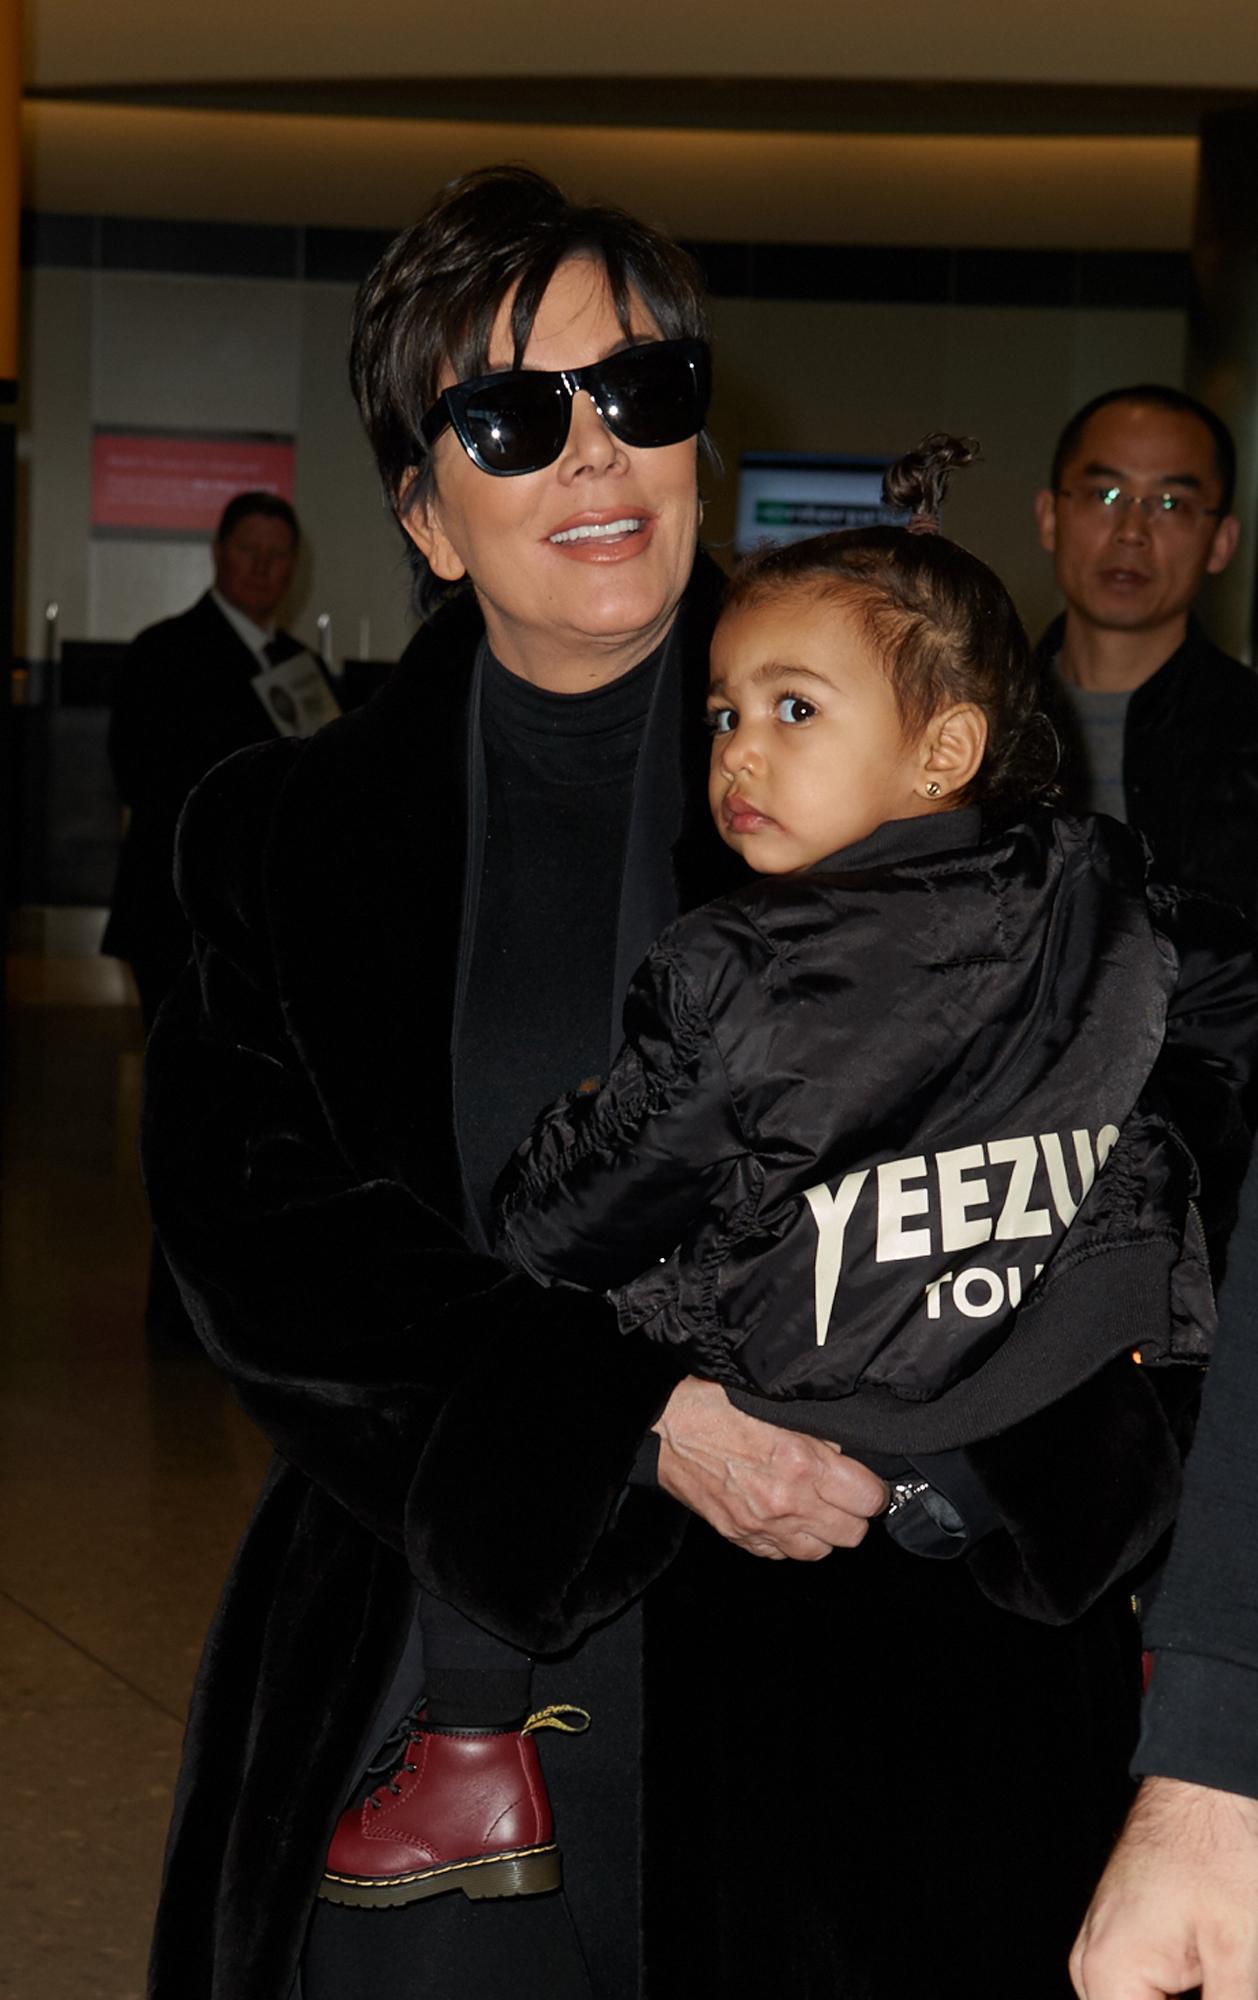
(1159, 727)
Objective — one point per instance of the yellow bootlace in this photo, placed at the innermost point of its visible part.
(555, 1717)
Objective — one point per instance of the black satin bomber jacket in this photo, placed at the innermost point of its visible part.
(899, 1151)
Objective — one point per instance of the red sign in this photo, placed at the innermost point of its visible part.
(162, 483)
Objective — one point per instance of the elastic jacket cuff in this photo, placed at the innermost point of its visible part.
(1200, 1723)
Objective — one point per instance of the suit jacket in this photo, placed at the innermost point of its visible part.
(184, 702)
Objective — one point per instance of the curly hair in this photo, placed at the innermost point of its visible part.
(943, 623)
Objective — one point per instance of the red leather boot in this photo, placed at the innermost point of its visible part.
(467, 1809)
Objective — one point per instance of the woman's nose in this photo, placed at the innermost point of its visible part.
(590, 446)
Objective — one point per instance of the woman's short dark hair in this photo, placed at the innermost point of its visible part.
(941, 621)
(431, 302)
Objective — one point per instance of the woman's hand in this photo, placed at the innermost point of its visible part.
(773, 1492)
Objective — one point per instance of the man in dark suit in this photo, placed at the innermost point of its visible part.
(188, 695)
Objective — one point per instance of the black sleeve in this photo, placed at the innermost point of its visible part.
(1205, 1072)
(611, 1179)
(485, 1427)
(1201, 1716)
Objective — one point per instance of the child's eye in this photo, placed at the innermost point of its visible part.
(722, 720)
(793, 708)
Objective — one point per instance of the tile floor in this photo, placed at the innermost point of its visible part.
(125, 1477)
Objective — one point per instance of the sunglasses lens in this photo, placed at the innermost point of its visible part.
(651, 395)
(518, 424)
(655, 394)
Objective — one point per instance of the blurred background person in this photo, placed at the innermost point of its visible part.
(1159, 727)
(187, 697)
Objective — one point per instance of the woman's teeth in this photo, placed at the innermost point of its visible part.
(599, 531)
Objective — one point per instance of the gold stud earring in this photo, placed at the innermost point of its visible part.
(933, 790)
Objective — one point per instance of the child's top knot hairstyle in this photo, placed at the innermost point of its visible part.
(918, 482)
(943, 623)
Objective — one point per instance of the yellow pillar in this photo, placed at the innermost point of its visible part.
(10, 190)
(10, 206)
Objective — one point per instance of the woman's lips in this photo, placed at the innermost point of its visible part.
(603, 538)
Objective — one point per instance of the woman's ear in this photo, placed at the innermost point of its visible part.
(953, 749)
(422, 522)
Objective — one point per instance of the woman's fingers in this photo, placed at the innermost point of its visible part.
(773, 1492)
(843, 1482)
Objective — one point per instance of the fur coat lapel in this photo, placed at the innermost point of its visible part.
(366, 884)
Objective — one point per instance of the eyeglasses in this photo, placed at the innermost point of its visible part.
(1178, 511)
(517, 421)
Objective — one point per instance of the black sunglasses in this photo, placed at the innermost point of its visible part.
(517, 421)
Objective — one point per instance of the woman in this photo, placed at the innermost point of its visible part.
(411, 932)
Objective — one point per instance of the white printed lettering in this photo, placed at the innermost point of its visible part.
(831, 1213)
(974, 1308)
(1016, 1219)
(933, 1290)
(957, 1196)
(978, 1293)
(895, 1201)
(907, 1188)
(1058, 1178)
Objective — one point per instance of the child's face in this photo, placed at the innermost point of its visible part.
(808, 750)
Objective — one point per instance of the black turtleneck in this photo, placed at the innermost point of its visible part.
(559, 777)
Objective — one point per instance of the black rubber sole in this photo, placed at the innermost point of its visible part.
(530, 1871)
